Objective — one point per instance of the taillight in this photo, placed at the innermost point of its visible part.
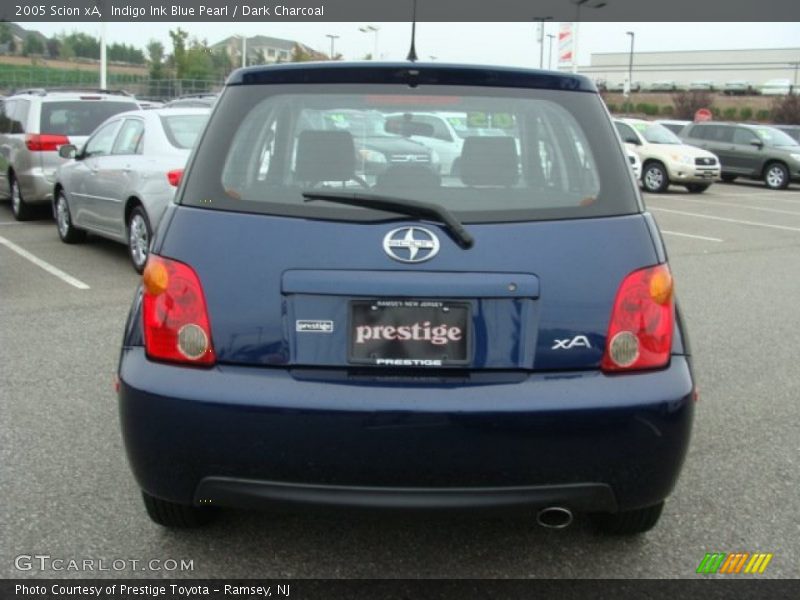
(176, 326)
(640, 330)
(174, 177)
(45, 142)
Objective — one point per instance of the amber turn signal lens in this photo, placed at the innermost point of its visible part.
(155, 277)
(661, 286)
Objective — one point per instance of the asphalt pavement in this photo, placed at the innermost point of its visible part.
(68, 493)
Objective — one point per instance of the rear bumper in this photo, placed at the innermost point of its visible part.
(244, 436)
(36, 185)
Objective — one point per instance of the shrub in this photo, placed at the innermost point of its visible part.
(762, 115)
(786, 109)
(647, 108)
(668, 109)
(612, 108)
(715, 112)
(729, 113)
(745, 113)
(687, 103)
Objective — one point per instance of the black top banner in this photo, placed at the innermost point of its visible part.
(398, 10)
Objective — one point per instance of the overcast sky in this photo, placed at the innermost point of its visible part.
(493, 43)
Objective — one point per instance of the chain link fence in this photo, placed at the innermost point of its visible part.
(14, 79)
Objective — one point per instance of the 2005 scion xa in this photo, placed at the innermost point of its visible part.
(312, 331)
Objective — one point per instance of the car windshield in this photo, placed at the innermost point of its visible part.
(182, 130)
(775, 137)
(525, 154)
(79, 117)
(657, 134)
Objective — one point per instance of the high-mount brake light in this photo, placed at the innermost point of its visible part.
(45, 142)
(176, 325)
(641, 325)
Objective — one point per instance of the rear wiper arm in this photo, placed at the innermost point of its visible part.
(414, 208)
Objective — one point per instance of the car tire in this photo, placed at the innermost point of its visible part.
(728, 178)
(697, 188)
(776, 176)
(172, 514)
(139, 236)
(627, 522)
(655, 178)
(20, 210)
(68, 233)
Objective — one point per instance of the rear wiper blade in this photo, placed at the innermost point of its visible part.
(403, 206)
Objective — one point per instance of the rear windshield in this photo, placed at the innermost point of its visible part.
(79, 117)
(182, 130)
(517, 154)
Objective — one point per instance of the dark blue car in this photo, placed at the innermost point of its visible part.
(503, 337)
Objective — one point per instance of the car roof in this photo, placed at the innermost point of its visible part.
(368, 72)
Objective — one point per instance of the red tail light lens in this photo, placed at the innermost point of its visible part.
(174, 177)
(45, 142)
(176, 326)
(640, 330)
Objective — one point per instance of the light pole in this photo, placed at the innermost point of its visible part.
(373, 29)
(794, 85)
(244, 50)
(541, 21)
(333, 38)
(550, 52)
(578, 4)
(630, 65)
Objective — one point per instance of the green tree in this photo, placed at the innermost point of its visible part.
(32, 45)
(178, 59)
(6, 37)
(155, 59)
(198, 63)
(223, 64)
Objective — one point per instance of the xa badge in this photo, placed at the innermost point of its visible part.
(411, 244)
(579, 341)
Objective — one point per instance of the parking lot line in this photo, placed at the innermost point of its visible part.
(10, 223)
(726, 219)
(44, 265)
(733, 205)
(690, 235)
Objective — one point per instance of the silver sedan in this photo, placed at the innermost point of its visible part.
(121, 181)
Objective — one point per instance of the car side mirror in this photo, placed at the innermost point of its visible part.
(68, 151)
(633, 140)
(757, 143)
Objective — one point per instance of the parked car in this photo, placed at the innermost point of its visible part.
(739, 87)
(675, 126)
(664, 85)
(378, 147)
(119, 184)
(666, 159)
(34, 124)
(443, 139)
(702, 85)
(751, 151)
(636, 163)
(777, 87)
(508, 338)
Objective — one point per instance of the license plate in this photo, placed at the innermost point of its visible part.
(409, 333)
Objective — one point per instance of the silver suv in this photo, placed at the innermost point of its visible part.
(33, 125)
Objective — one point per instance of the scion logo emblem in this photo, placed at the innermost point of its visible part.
(411, 244)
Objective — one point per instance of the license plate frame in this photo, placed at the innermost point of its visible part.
(421, 318)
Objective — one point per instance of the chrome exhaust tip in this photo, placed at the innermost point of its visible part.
(554, 517)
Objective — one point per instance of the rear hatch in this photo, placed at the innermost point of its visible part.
(289, 281)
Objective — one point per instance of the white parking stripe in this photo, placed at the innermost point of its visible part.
(10, 223)
(727, 220)
(734, 205)
(689, 235)
(44, 265)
